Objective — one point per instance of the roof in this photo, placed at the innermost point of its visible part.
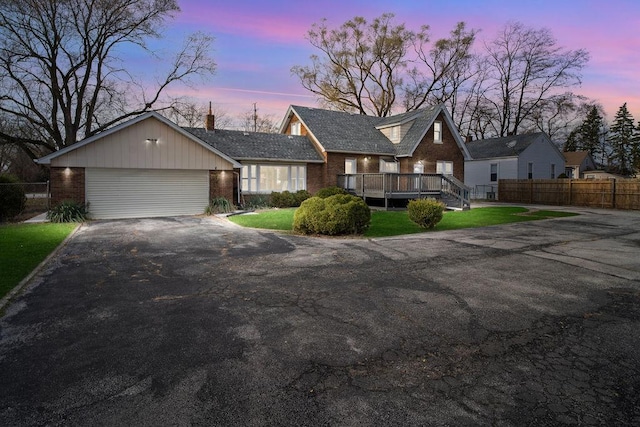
(507, 146)
(337, 131)
(259, 146)
(152, 114)
(575, 158)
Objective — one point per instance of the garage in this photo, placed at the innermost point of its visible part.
(139, 193)
(145, 167)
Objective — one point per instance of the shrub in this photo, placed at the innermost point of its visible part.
(334, 215)
(323, 193)
(12, 198)
(287, 199)
(562, 176)
(219, 205)
(256, 202)
(425, 212)
(68, 211)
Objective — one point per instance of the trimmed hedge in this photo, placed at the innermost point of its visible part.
(425, 212)
(287, 199)
(335, 215)
(323, 193)
(12, 197)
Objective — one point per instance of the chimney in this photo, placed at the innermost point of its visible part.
(209, 122)
(468, 138)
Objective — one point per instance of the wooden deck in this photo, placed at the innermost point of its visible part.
(407, 186)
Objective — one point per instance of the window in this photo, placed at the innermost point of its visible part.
(437, 132)
(418, 167)
(394, 134)
(553, 171)
(529, 170)
(295, 128)
(350, 166)
(268, 178)
(444, 168)
(494, 172)
(388, 166)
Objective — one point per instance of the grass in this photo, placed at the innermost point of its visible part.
(395, 223)
(24, 246)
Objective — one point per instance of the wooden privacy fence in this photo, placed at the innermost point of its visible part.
(610, 193)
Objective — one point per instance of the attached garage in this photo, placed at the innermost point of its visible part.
(136, 193)
(146, 167)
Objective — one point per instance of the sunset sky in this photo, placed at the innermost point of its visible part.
(257, 42)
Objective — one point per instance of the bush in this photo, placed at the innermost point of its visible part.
(323, 193)
(68, 211)
(335, 215)
(12, 198)
(425, 212)
(219, 205)
(287, 199)
(256, 202)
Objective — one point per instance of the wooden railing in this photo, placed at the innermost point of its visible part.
(407, 186)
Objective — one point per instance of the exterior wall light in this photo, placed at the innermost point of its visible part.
(152, 140)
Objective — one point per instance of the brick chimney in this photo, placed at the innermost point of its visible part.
(209, 122)
(468, 138)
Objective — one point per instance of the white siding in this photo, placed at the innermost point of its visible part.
(129, 148)
(139, 193)
(478, 172)
(542, 154)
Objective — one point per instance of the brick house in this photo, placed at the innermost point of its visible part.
(149, 166)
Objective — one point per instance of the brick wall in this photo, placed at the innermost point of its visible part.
(67, 184)
(430, 152)
(315, 177)
(223, 184)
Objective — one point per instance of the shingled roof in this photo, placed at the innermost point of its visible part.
(338, 131)
(241, 145)
(508, 146)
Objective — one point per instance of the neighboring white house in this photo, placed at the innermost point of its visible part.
(528, 156)
(577, 163)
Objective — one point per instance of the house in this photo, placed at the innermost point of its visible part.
(527, 156)
(421, 149)
(149, 166)
(576, 163)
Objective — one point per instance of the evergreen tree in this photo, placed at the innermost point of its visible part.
(592, 132)
(635, 150)
(621, 135)
(571, 143)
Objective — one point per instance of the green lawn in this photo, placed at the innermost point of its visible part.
(24, 246)
(394, 223)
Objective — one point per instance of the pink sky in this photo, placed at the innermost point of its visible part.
(257, 42)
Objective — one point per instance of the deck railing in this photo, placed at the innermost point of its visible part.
(407, 186)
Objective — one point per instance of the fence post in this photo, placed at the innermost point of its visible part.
(530, 191)
(570, 190)
(613, 193)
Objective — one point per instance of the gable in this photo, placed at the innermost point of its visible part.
(148, 142)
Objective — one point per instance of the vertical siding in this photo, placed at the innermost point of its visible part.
(128, 148)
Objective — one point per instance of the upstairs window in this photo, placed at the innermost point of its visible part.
(437, 132)
(295, 128)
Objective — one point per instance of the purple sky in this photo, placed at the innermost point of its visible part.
(257, 42)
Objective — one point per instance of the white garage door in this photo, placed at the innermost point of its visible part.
(140, 193)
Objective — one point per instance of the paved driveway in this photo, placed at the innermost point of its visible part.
(195, 321)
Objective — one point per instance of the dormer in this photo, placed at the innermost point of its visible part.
(396, 127)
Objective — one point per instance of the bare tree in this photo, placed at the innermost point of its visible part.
(527, 70)
(60, 72)
(440, 71)
(189, 113)
(363, 66)
(252, 122)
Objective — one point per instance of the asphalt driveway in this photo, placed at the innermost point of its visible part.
(183, 321)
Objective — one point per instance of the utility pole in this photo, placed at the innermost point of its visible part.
(255, 117)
